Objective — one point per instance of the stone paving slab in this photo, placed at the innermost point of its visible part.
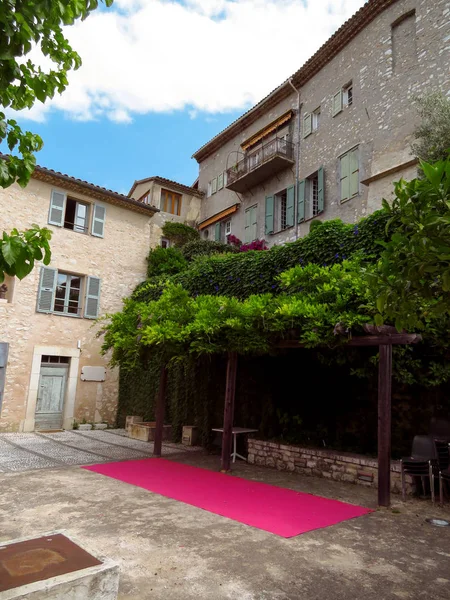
(130, 443)
(16, 459)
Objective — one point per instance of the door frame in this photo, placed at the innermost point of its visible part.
(71, 385)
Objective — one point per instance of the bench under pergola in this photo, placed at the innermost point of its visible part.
(384, 341)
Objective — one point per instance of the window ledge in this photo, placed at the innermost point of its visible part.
(352, 198)
(282, 230)
(62, 314)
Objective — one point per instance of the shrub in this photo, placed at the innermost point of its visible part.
(198, 248)
(165, 261)
(255, 245)
(179, 233)
(433, 133)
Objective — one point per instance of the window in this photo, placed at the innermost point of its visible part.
(404, 42)
(316, 119)
(280, 210)
(251, 229)
(227, 228)
(165, 243)
(307, 125)
(310, 202)
(209, 192)
(146, 198)
(62, 293)
(67, 294)
(74, 214)
(342, 98)
(349, 174)
(348, 94)
(214, 185)
(170, 202)
(55, 360)
(220, 182)
(206, 234)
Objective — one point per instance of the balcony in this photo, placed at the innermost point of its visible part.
(258, 165)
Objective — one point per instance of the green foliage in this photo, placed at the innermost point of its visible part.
(20, 249)
(197, 248)
(24, 26)
(433, 134)
(412, 279)
(179, 233)
(243, 274)
(165, 261)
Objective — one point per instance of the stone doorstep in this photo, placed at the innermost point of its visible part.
(100, 582)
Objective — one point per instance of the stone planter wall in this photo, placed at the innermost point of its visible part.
(339, 466)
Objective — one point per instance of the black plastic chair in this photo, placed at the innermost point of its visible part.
(443, 476)
(422, 463)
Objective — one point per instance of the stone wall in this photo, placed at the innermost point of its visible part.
(339, 466)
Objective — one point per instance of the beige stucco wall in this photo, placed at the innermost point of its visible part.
(190, 208)
(118, 259)
(380, 121)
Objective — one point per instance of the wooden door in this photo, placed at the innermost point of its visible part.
(50, 401)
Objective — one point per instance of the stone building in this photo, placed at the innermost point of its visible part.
(330, 141)
(176, 202)
(51, 370)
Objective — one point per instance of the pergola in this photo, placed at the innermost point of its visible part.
(384, 341)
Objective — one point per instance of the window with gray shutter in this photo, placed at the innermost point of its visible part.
(307, 125)
(57, 208)
(47, 288)
(98, 221)
(92, 305)
(3, 363)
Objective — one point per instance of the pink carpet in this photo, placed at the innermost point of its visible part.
(278, 510)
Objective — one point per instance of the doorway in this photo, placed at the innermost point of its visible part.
(51, 392)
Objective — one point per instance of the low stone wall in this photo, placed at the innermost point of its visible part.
(339, 466)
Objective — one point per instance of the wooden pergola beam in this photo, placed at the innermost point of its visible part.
(365, 340)
(228, 413)
(384, 425)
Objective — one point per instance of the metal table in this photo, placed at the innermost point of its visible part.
(236, 431)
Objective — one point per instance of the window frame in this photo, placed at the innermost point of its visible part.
(89, 213)
(347, 94)
(81, 291)
(315, 119)
(170, 196)
(227, 228)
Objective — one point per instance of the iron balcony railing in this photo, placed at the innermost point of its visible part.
(253, 160)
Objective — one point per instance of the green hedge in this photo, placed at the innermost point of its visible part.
(246, 273)
(197, 248)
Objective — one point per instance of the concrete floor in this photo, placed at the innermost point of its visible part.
(171, 551)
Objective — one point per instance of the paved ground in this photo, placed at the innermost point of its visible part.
(28, 451)
(171, 551)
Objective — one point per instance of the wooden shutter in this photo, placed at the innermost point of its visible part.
(217, 232)
(320, 190)
(307, 125)
(247, 231)
(290, 201)
(214, 185)
(3, 362)
(220, 182)
(47, 289)
(337, 103)
(354, 172)
(301, 201)
(98, 220)
(253, 223)
(57, 208)
(345, 177)
(92, 305)
(269, 215)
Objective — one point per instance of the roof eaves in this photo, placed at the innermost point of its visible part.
(168, 182)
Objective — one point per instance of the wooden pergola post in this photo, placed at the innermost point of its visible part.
(384, 424)
(228, 414)
(159, 412)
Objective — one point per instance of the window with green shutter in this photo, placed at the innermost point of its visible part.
(269, 218)
(47, 289)
(98, 221)
(337, 103)
(57, 208)
(220, 182)
(290, 203)
(301, 201)
(349, 174)
(251, 228)
(307, 125)
(92, 304)
(314, 194)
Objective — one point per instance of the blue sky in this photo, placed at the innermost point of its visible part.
(161, 77)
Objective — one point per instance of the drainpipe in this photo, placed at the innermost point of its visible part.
(297, 158)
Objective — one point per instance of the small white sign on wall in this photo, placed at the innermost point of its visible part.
(93, 374)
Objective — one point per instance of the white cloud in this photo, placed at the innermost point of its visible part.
(201, 55)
